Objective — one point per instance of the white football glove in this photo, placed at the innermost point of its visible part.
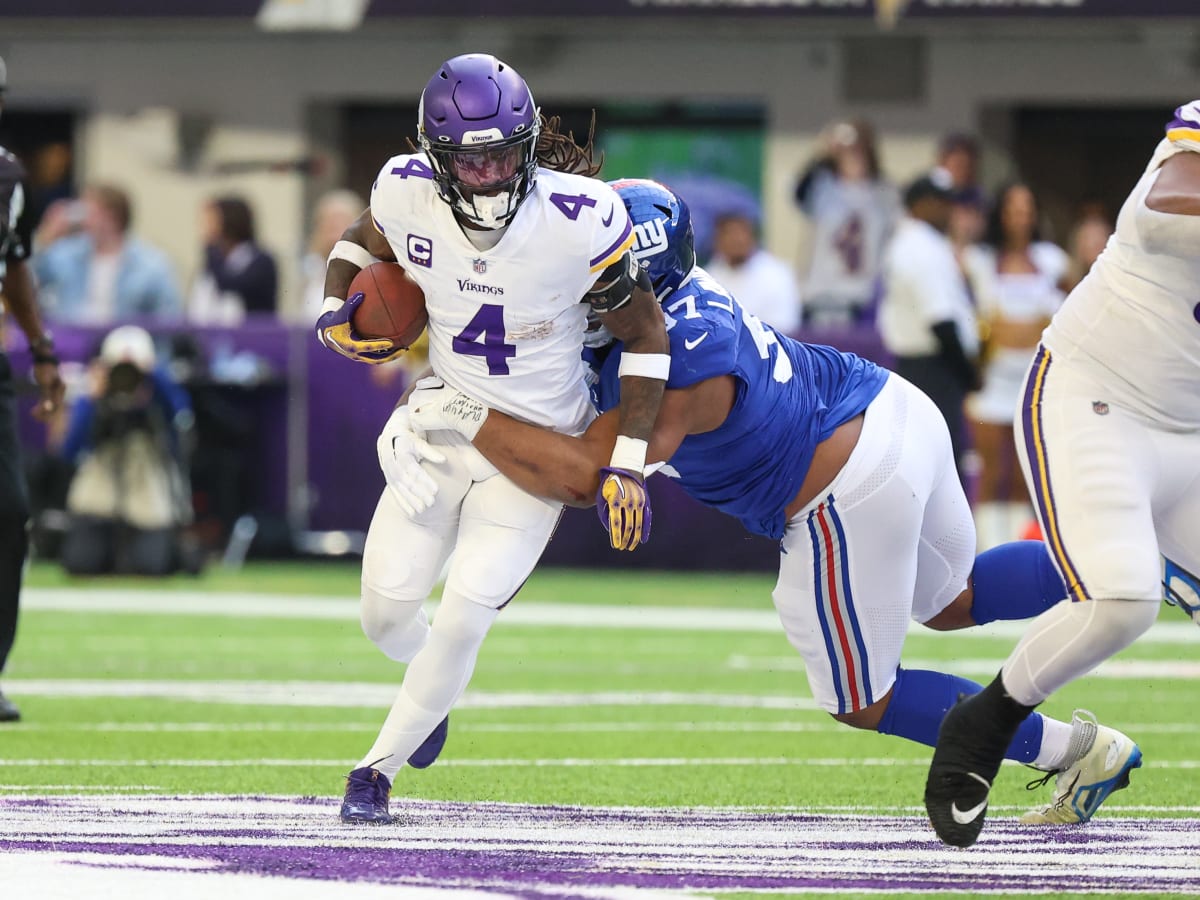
(402, 449)
(436, 407)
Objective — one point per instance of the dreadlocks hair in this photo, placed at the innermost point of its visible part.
(561, 153)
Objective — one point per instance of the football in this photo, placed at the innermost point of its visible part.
(393, 305)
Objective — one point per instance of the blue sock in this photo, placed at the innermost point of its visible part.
(1015, 581)
(920, 699)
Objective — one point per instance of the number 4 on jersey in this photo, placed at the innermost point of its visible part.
(487, 324)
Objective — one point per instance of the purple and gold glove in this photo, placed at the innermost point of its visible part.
(623, 504)
(335, 332)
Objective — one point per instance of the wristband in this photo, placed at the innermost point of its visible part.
(42, 349)
(355, 254)
(645, 365)
(629, 454)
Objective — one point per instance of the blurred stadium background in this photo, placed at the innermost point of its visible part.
(280, 102)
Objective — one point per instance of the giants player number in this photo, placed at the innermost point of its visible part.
(487, 324)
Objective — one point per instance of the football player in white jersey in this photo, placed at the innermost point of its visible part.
(505, 248)
(1109, 436)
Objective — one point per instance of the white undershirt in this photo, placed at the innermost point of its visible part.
(484, 240)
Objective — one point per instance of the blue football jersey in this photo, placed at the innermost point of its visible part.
(790, 397)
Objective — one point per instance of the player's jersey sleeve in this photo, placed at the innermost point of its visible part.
(393, 195)
(703, 324)
(612, 230)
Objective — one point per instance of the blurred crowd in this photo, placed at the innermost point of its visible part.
(956, 280)
(145, 469)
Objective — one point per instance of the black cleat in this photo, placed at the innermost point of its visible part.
(972, 741)
(8, 710)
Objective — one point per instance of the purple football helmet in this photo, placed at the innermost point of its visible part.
(479, 127)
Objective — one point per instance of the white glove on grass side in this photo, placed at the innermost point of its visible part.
(402, 449)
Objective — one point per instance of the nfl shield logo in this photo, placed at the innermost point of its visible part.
(480, 266)
(1099, 407)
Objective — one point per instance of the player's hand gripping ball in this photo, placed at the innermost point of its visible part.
(383, 316)
(335, 329)
(623, 504)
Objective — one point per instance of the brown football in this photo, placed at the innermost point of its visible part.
(393, 305)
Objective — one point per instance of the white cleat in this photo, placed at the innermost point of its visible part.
(1181, 588)
(1101, 767)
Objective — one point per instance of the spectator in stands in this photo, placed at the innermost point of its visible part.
(764, 285)
(239, 277)
(958, 157)
(334, 212)
(926, 318)
(853, 211)
(1018, 280)
(1088, 238)
(93, 271)
(49, 178)
(128, 498)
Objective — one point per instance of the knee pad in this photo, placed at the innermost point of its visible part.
(397, 627)
(1124, 620)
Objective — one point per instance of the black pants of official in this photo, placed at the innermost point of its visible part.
(14, 512)
(934, 376)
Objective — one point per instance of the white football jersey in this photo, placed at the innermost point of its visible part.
(506, 324)
(1133, 323)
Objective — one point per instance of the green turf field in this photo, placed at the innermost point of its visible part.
(666, 690)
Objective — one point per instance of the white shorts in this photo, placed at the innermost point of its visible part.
(496, 531)
(891, 539)
(1112, 489)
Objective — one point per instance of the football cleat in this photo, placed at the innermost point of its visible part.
(1102, 767)
(366, 800)
(971, 745)
(1181, 588)
(431, 748)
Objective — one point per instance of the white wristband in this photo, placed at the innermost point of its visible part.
(355, 254)
(645, 365)
(629, 454)
(332, 304)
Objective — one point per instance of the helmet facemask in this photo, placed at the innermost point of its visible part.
(486, 179)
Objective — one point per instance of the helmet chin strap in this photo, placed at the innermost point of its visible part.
(488, 212)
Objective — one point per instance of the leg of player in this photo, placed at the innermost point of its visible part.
(1063, 644)
(395, 587)
(502, 532)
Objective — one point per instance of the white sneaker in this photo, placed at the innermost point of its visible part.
(1101, 767)
(1181, 588)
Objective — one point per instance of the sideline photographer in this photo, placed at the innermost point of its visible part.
(128, 499)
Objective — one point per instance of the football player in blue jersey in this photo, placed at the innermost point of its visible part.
(846, 464)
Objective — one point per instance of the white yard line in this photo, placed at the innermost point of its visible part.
(487, 727)
(371, 694)
(885, 762)
(1186, 670)
(1171, 630)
